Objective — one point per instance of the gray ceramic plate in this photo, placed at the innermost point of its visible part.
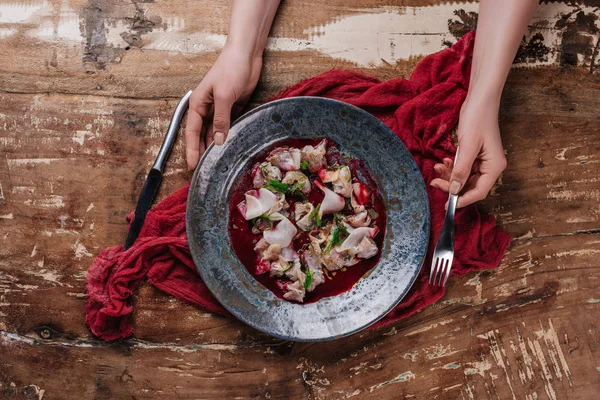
(401, 185)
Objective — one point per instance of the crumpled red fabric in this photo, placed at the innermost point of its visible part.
(422, 111)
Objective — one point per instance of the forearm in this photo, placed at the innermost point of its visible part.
(249, 25)
(500, 28)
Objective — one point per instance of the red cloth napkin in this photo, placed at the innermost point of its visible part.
(422, 111)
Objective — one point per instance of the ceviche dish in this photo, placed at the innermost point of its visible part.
(306, 220)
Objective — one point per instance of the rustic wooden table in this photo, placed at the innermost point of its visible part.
(86, 93)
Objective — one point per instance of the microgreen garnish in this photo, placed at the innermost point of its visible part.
(276, 186)
(304, 165)
(308, 280)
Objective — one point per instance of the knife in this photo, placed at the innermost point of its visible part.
(155, 175)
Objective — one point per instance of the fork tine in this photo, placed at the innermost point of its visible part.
(434, 271)
(442, 271)
(447, 272)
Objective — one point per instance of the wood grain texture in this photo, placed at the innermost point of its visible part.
(82, 117)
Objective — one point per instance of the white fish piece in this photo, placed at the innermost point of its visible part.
(340, 177)
(286, 158)
(283, 233)
(280, 205)
(366, 248)
(272, 252)
(295, 292)
(359, 220)
(356, 236)
(314, 264)
(319, 237)
(315, 156)
(257, 203)
(335, 260)
(297, 177)
(305, 216)
(263, 173)
(331, 203)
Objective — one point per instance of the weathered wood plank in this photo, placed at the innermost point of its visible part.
(490, 334)
(161, 49)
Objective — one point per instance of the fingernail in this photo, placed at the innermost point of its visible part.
(455, 187)
(219, 138)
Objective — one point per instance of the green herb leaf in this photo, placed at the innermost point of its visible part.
(289, 265)
(308, 280)
(296, 189)
(336, 166)
(277, 186)
(304, 165)
(318, 216)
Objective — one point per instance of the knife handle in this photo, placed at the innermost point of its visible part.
(171, 135)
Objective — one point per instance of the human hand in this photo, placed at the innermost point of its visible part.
(220, 96)
(481, 159)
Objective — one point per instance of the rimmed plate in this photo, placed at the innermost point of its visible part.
(402, 188)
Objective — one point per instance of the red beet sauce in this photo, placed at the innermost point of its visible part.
(243, 240)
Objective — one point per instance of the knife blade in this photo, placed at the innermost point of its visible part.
(154, 178)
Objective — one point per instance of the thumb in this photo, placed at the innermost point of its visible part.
(463, 163)
(221, 118)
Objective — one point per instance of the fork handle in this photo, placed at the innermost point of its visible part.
(452, 200)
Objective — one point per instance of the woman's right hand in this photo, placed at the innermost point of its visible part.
(220, 96)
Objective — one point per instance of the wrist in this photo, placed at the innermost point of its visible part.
(487, 99)
(244, 46)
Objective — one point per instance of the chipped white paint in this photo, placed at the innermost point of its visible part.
(561, 154)
(555, 351)
(537, 352)
(369, 37)
(428, 327)
(51, 201)
(569, 195)
(34, 251)
(79, 136)
(478, 367)
(439, 351)
(66, 29)
(403, 377)
(527, 360)
(571, 253)
(498, 353)
(7, 216)
(19, 162)
(1, 193)
(23, 189)
(80, 250)
(22, 12)
(48, 275)
(90, 208)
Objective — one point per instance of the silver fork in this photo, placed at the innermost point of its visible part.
(443, 255)
(444, 250)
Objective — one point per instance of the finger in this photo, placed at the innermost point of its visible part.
(448, 163)
(443, 171)
(222, 117)
(193, 143)
(480, 190)
(441, 184)
(193, 128)
(469, 150)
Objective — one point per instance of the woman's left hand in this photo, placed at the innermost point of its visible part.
(481, 159)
